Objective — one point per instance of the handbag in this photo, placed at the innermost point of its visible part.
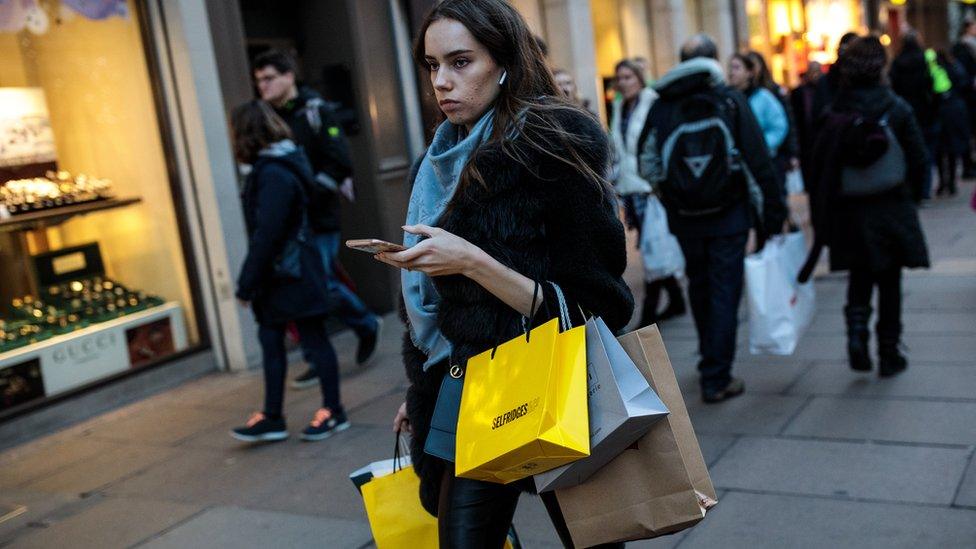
(392, 501)
(523, 406)
(660, 249)
(780, 307)
(621, 404)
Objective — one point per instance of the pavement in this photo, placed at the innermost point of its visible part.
(813, 455)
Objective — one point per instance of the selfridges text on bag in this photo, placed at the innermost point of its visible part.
(780, 307)
(882, 174)
(700, 163)
(622, 407)
(523, 406)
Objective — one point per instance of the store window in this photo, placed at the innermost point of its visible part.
(93, 278)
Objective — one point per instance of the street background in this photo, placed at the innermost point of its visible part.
(813, 455)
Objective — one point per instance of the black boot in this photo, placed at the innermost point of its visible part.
(652, 296)
(890, 360)
(676, 300)
(857, 337)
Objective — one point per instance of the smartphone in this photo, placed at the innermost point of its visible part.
(374, 246)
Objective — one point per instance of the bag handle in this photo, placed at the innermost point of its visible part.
(526, 321)
(567, 322)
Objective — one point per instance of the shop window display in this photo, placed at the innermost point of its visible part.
(93, 279)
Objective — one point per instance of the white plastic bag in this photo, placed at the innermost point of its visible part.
(794, 182)
(659, 248)
(780, 308)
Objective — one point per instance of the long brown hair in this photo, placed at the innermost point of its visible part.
(255, 126)
(529, 102)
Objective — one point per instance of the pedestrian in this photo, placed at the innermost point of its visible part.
(567, 85)
(514, 182)
(282, 279)
(317, 132)
(953, 143)
(802, 99)
(626, 122)
(788, 154)
(704, 150)
(775, 126)
(964, 50)
(869, 164)
(828, 85)
(911, 79)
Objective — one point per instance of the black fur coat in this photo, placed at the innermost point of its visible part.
(543, 220)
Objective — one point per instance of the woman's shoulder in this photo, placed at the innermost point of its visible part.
(561, 127)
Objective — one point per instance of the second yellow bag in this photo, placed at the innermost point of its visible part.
(523, 410)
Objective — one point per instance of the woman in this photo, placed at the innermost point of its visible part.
(911, 80)
(626, 122)
(513, 182)
(872, 234)
(788, 154)
(744, 76)
(954, 131)
(282, 278)
(567, 85)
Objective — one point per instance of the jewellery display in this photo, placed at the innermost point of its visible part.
(68, 307)
(57, 189)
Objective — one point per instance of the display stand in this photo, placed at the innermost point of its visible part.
(71, 360)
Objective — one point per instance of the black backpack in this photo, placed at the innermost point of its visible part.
(701, 171)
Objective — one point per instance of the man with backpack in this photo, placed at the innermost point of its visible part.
(315, 130)
(703, 151)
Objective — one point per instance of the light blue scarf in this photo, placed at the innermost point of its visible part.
(436, 181)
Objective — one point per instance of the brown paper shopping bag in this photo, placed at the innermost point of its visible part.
(658, 486)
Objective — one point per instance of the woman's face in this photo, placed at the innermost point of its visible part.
(464, 75)
(739, 75)
(565, 84)
(628, 83)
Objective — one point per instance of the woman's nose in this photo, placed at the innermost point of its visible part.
(441, 80)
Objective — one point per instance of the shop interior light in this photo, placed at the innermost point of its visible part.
(885, 40)
(900, 2)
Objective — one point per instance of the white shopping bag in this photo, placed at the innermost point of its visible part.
(794, 182)
(780, 308)
(659, 248)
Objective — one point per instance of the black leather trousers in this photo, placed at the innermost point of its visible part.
(474, 514)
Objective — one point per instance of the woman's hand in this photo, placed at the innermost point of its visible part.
(401, 422)
(442, 253)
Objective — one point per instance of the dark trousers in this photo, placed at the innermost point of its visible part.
(473, 514)
(715, 268)
(347, 307)
(948, 163)
(860, 287)
(318, 351)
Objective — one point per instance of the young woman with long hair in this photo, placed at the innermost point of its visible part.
(509, 196)
(627, 120)
(281, 279)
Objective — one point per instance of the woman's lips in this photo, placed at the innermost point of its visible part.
(448, 105)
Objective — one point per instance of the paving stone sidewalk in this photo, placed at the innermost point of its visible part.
(813, 455)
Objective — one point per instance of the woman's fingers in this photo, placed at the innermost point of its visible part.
(422, 229)
(409, 254)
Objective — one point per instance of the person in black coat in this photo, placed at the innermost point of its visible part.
(964, 51)
(802, 99)
(714, 240)
(510, 197)
(318, 133)
(911, 80)
(874, 236)
(955, 131)
(282, 278)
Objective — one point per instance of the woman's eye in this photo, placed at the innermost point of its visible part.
(460, 63)
(432, 66)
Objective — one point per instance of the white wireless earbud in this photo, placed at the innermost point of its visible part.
(502, 79)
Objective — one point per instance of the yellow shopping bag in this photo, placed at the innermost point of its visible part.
(395, 515)
(523, 407)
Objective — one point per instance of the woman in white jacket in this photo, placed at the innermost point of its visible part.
(629, 114)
